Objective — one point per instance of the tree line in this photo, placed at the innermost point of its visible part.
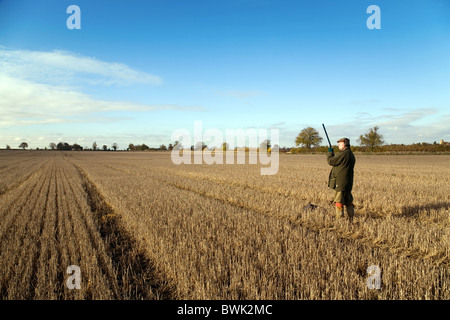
(308, 140)
(371, 141)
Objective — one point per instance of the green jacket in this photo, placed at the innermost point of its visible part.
(341, 176)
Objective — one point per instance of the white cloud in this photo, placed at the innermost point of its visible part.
(43, 88)
(400, 125)
(58, 67)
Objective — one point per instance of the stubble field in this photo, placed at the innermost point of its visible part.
(140, 227)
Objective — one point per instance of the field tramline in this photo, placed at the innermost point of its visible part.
(140, 227)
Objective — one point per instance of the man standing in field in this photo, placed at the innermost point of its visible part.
(341, 178)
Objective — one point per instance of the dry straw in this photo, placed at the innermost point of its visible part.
(141, 227)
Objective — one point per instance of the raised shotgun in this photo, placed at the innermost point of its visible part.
(326, 135)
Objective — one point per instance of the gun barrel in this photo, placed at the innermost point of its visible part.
(329, 143)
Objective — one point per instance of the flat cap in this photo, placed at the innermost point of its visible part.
(345, 140)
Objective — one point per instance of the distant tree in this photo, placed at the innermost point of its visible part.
(371, 139)
(170, 147)
(77, 147)
(115, 146)
(94, 146)
(131, 147)
(23, 145)
(52, 145)
(308, 137)
(143, 147)
(63, 146)
(177, 145)
(105, 147)
(8, 147)
(162, 147)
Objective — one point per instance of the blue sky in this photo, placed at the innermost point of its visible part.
(137, 70)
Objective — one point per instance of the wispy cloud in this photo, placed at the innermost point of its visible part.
(24, 102)
(41, 88)
(399, 125)
(61, 67)
(418, 124)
